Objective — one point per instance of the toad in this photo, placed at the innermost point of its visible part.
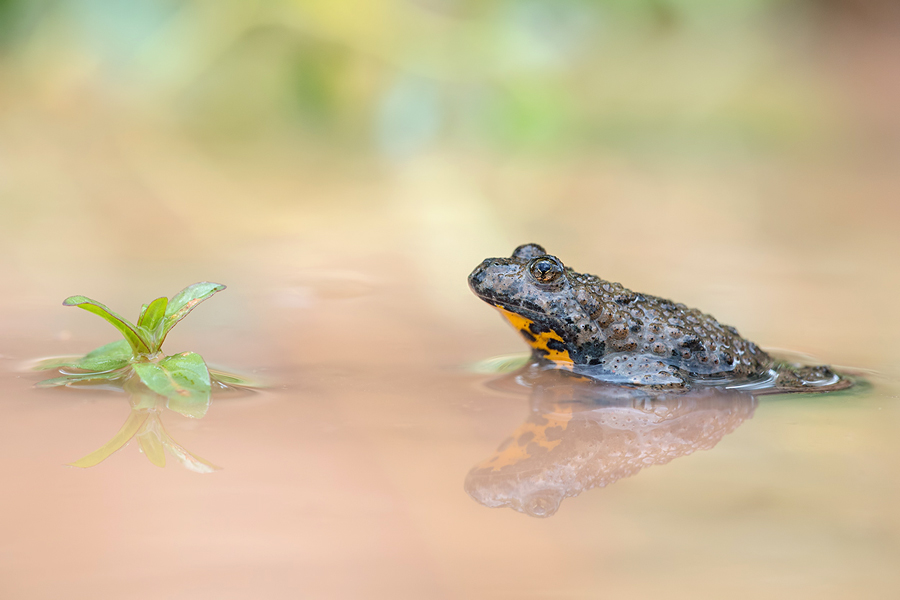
(602, 330)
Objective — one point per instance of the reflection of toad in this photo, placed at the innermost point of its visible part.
(612, 334)
(582, 435)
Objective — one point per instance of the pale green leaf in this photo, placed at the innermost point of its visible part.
(153, 316)
(232, 380)
(184, 302)
(57, 362)
(148, 337)
(182, 376)
(82, 378)
(137, 343)
(132, 425)
(106, 358)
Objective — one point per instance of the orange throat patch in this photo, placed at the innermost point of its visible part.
(541, 340)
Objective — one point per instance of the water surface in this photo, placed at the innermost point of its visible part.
(347, 476)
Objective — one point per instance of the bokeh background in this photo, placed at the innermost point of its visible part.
(689, 148)
(342, 166)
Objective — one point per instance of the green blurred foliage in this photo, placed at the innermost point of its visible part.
(401, 77)
(315, 80)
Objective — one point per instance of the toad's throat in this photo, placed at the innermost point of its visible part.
(545, 342)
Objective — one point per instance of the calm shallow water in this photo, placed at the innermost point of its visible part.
(347, 476)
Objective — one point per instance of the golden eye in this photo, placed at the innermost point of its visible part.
(545, 270)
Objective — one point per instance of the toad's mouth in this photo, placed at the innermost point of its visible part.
(505, 305)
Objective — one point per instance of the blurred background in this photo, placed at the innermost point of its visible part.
(342, 166)
(690, 148)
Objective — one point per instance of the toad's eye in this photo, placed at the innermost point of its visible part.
(545, 270)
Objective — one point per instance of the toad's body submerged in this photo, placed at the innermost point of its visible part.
(620, 336)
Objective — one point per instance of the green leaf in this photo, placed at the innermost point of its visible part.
(153, 316)
(226, 379)
(184, 302)
(57, 362)
(133, 424)
(232, 380)
(81, 377)
(137, 343)
(106, 358)
(182, 376)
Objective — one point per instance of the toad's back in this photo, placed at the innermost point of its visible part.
(639, 323)
(579, 319)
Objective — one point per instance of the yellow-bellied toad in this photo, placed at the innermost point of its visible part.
(609, 332)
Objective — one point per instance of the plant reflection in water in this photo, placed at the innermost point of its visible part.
(145, 421)
(581, 434)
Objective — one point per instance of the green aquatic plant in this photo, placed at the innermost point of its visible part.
(182, 378)
(153, 381)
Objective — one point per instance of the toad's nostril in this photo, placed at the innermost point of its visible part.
(478, 275)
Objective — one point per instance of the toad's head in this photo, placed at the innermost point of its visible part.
(534, 291)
